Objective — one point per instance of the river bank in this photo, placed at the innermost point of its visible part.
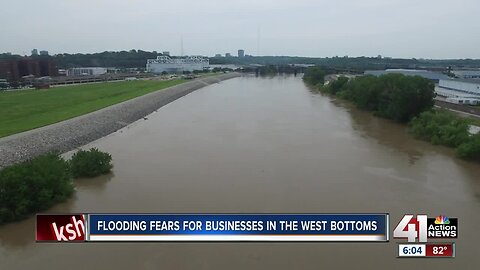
(404, 99)
(70, 134)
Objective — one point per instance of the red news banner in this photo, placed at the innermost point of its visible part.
(61, 228)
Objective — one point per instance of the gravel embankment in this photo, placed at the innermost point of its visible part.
(70, 134)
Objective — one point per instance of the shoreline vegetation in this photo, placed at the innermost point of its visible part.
(38, 184)
(404, 99)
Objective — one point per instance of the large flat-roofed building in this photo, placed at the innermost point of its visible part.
(434, 76)
(467, 74)
(177, 65)
(459, 91)
(449, 93)
(86, 71)
(467, 87)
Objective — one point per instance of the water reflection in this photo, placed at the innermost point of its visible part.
(383, 131)
(95, 184)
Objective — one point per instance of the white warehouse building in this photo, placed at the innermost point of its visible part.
(459, 91)
(467, 87)
(86, 71)
(177, 65)
(467, 74)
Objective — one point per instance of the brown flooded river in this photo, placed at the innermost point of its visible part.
(262, 145)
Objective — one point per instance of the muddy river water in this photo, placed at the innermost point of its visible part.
(262, 145)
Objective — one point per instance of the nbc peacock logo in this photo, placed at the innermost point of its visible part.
(442, 227)
(442, 220)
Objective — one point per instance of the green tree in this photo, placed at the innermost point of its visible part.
(440, 127)
(404, 97)
(90, 163)
(337, 85)
(33, 186)
(470, 149)
(314, 76)
(392, 96)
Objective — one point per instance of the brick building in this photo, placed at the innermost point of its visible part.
(14, 69)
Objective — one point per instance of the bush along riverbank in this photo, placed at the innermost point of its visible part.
(38, 184)
(446, 128)
(90, 163)
(405, 99)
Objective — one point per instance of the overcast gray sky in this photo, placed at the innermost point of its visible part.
(398, 28)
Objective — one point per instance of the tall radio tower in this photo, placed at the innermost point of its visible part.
(181, 46)
(258, 40)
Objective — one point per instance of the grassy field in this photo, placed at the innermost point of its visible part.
(29, 109)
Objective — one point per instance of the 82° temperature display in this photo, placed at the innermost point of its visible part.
(438, 250)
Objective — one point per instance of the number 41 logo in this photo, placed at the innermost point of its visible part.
(412, 228)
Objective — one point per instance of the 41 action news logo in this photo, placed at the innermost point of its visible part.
(422, 228)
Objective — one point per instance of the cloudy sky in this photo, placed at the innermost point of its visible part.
(397, 28)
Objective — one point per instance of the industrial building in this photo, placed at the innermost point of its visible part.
(14, 69)
(463, 101)
(177, 65)
(467, 74)
(468, 87)
(434, 76)
(86, 71)
(459, 91)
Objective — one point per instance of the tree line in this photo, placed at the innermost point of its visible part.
(137, 59)
(392, 96)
